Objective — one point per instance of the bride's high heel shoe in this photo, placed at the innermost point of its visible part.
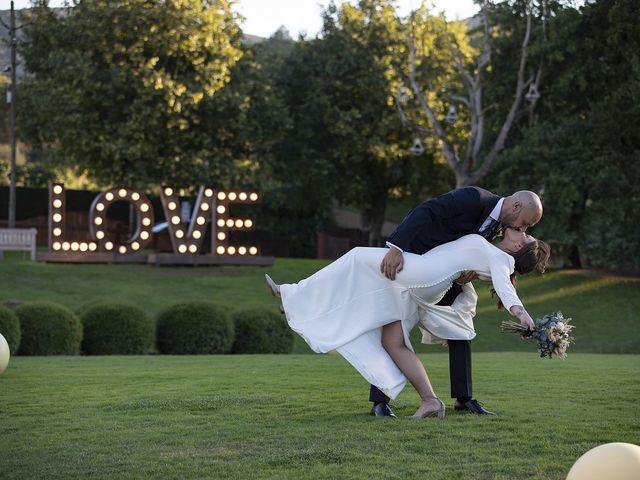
(273, 286)
(439, 413)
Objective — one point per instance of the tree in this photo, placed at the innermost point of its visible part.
(466, 153)
(119, 89)
(346, 136)
(582, 150)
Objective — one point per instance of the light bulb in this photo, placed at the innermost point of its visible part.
(122, 250)
(222, 235)
(220, 222)
(57, 217)
(99, 207)
(168, 192)
(135, 196)
(109, 196)
(122, 192)
(208, 192)
(201, 220)
(193, 248)
(179, 234)
(144, 207)
(196, 234)
(175, 220)
(108, 245)
(57, 189)
(231, 250)
(220, 250)
(99, 234)
(222, 195)
(232, 195)
(144, 235)
(253, 197)
(57, 246)
(57, 232)
(242, 196)
(248, 223)
(242, 250)
(97, 221)
(182, 248)
(57, 203)
(239, 223)
(253, 250)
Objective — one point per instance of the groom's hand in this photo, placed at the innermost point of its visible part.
(392, 263)
(466, 277)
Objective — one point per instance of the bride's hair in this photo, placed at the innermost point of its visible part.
(532, 256)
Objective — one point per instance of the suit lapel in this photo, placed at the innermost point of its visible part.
(488, 203)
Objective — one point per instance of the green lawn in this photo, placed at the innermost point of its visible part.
(604, 307)
(303, 416)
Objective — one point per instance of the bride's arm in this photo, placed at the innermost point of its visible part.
(500, 273)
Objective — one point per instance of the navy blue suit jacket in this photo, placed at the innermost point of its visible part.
(444, 219)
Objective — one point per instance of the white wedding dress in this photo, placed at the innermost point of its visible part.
(344, 306)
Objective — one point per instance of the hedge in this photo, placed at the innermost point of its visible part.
(48, 329)
(194, 328)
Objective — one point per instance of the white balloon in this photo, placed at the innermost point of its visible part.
(611, 461)
(4, 354)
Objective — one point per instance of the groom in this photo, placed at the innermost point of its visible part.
(444, 219)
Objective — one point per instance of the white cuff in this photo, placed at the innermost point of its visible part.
(389, 244)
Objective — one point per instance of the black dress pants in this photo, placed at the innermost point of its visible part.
(459, 361)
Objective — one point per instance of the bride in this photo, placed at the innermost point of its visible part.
(351, 307)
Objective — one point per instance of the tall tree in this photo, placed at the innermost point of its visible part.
(582, 150)
(468, 153)
(117, 88)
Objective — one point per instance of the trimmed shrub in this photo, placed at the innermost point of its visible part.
(48, 329)
(117, 329)
(10, 328)
(261, 331)
(194, 328)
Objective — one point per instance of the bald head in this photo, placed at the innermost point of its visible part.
(521, 210)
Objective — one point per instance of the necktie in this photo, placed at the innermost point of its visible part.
(492, 230)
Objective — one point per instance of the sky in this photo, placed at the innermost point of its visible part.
(264, 17)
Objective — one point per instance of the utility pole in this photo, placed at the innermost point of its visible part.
(12, 99)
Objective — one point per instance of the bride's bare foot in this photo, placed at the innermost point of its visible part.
(430, 407)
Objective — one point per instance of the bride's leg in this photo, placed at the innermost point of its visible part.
(409, 364)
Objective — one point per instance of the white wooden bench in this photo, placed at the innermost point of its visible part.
(21, 239)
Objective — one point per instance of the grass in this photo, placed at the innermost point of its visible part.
(604, 308)
(303, 416)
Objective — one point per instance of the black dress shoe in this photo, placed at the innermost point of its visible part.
(382, 410)
(472, 406)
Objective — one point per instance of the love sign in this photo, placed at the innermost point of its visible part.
(211, 208)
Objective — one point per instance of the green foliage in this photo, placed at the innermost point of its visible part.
(48, 329)
(194, 328)
(119, 89)
(10, 328)
(117, 329)
(261, 331)
(581, 150)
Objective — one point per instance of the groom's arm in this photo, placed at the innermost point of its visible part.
(449, 205)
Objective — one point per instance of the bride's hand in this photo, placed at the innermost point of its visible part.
(525, 318)
(392, 263)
